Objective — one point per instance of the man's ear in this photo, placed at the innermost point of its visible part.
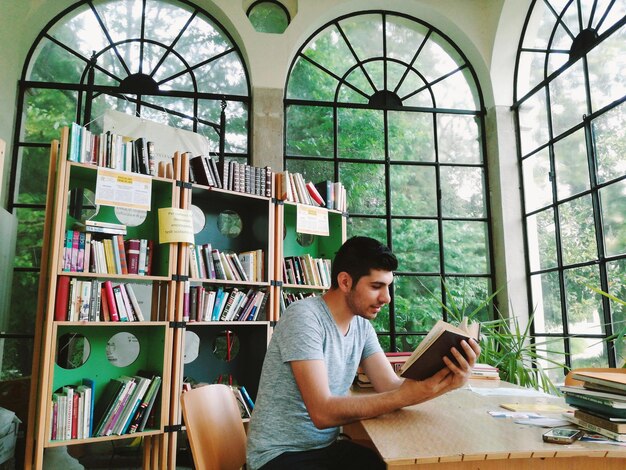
(345, 281)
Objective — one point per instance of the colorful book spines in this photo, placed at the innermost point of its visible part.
(95, 300)
(206, 262)
(206, 304)
(124, 408)
(83, 253)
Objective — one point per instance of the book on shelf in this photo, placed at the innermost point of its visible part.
(140, 418)
(427, 359)
(244, 410)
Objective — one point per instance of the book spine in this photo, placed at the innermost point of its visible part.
(110, 299)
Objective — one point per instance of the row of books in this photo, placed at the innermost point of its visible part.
(207, 304)
(287, 298)
(206, 262)
(72, 412)
(292, 187)
(244, 401)
(396, 360)
(84, 253)
(307, 271)
(485, 372)
(600, 402)
(231, 175)
(95, 300)
(112, 150)
(124, 408)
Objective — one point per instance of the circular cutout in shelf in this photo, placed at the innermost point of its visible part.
(229, 223)
(226, 345)
(192, 347)
(73, 350)
(122, 349)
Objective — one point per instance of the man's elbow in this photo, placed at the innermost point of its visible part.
(321, 420)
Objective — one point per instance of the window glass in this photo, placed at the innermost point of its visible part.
(458, 139)
(462, 192)
(413, 190)
(410, 136)
(541, 238)
(546, 295)
(614, 218)
(537, 181)
(465, 247)
(571, 166)
(409, 165)
(268, 17)
(578, 235)
(609, 132)
(416, 245)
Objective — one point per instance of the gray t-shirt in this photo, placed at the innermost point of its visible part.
(280, 422)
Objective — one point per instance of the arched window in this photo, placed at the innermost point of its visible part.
(164, 60)
(569, 98)
(390, 107)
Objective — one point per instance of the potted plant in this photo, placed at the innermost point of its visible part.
(508, 345)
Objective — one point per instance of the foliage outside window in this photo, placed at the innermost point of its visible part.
(391, 108)
(268, 16)
(166, 61)
(570, 102)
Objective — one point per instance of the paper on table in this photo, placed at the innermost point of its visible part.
(544, 422)
(510, 392)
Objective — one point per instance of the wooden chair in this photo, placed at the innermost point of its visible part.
(571, 381)
(214, 428)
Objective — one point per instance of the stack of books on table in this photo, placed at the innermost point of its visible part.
(396, 359)
(600, 402)
(485, 372)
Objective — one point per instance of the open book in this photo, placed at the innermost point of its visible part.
(427, 359)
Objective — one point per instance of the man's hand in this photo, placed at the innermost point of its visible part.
(451, 377)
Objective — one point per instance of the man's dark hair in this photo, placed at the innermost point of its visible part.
(360, 254)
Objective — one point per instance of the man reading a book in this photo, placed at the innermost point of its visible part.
(312, 359)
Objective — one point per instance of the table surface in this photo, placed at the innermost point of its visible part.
(457, 427)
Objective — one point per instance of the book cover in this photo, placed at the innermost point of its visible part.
(118, 300)
(62, 298)
(315, 195)
(107, 288)
(614, 380)
(135, 302)
(215, 172)
(591, 418)
(199, 168)
(89, 405)
(106, 403)
(621, 437)
(119, 239)
(132, 251)
(427, 359)
(144, 408)
(148, 412)
(583, 403)
(606, 398)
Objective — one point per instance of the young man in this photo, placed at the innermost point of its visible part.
(312, 359)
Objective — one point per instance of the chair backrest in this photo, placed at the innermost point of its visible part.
(571, 381)
(214, 428)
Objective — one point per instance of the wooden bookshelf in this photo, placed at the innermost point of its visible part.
(66, 352)
(294, 244)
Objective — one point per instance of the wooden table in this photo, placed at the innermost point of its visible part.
(455, 431)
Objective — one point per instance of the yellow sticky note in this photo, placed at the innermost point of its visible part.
(175, 225)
